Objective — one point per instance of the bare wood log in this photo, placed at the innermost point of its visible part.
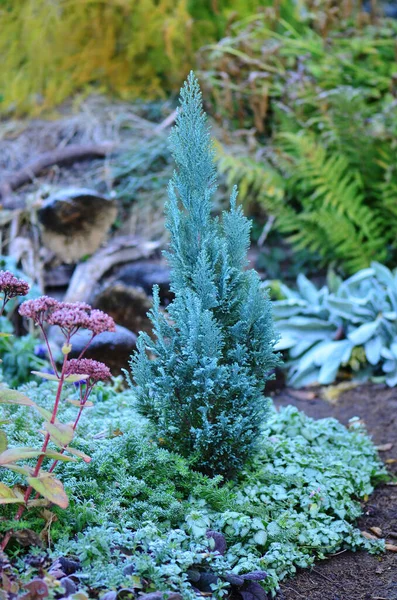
(70, 153)
(120, 250)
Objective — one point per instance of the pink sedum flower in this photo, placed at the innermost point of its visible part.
(95, 370)
(101, 322)
(11, 286)
(69, 316)
(39, 309)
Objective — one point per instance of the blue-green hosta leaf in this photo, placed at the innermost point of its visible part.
(390, 316)
(349, 309)
(300, 348)
(359, 277)
(307, 328)
(307, 289)
(383, 274)
(283, 309)
(373, 348)
(363, 333)
(340, 354)
(313, 356)
(288, 293)
(300, 378)
(389, 366)
(285, 342)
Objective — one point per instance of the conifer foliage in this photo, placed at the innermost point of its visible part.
(200, 381)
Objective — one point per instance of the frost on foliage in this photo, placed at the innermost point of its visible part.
(213, 349)
(351, 323)
(295, 503)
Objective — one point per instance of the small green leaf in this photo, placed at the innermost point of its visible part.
(6, 335)
(19, 469)
(3, 441)
(13, 454)
(59, 456)
(50, 488)
(60, 433)
(48, 376)
(75, 378)
(47, 414)
(14, 397)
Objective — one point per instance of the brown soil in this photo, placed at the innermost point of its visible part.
(348, 575)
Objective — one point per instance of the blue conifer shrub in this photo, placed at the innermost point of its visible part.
(200, 381)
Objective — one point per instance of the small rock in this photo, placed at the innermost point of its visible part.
(127, 305)
(146, 274)
(368, 536)
(384, 447)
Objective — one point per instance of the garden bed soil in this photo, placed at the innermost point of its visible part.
(348, 575)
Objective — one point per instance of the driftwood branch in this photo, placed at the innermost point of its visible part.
(28, 173)
(120, 250)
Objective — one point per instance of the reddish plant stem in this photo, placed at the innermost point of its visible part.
(83, 400)
(52, 361)
(86, 346)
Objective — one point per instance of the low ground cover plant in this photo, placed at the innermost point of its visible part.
(349, 324)
(139, 516)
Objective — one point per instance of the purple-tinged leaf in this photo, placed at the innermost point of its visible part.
(220, 544)
(255, 576)
(253, 591)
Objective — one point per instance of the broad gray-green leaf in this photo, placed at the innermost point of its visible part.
(307, 290)
(340, 354)
(373, 349)
(363, 333)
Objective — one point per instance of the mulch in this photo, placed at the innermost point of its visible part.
(349, 575)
